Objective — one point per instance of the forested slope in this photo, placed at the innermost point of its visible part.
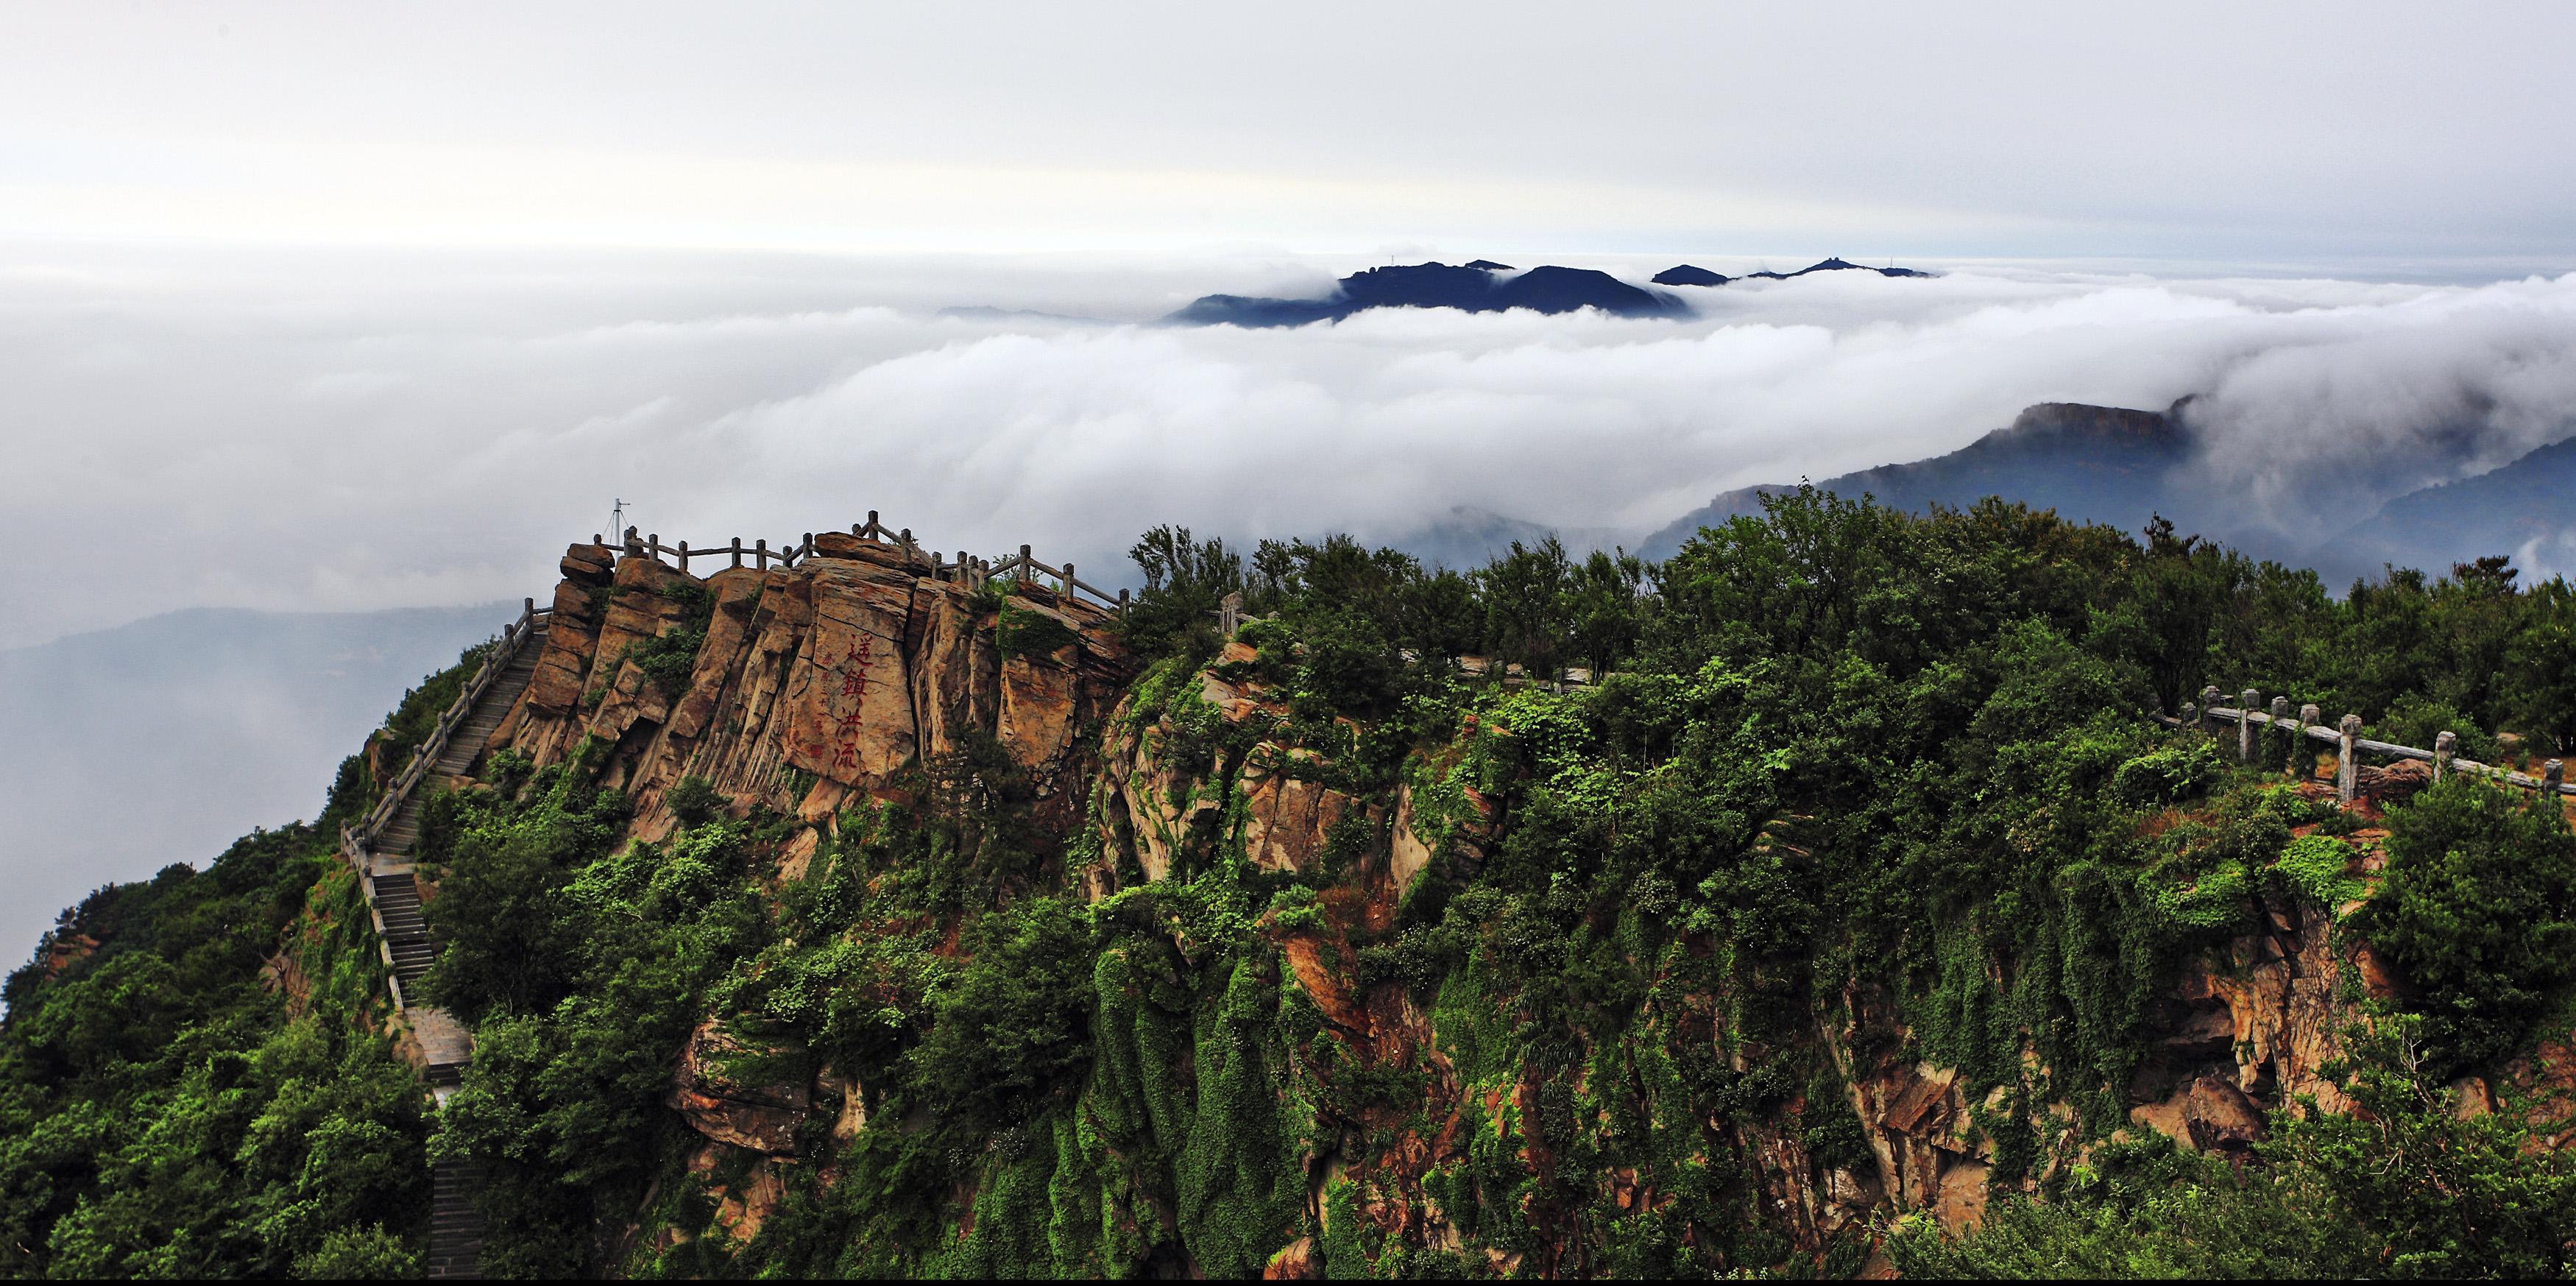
(848, 920)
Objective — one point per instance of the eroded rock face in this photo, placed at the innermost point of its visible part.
(709, 1093)
(815, 685)
(849, 691)
(1289, 818)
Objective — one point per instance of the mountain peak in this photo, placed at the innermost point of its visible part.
(1686, 274)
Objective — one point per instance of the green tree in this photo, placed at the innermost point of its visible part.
(2478, 913)
(1525, 606)
(1185, 580)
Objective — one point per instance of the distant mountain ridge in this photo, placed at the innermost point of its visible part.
(2122, 466)
(1484, 286)
(213, 720)
(1478, 287)
(2089, 463)
(1467, 538)
(2526, 508)
(1687, 274)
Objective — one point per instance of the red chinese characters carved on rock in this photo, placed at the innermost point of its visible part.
(853, 673)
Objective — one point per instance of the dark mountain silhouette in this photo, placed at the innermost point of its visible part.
(1690, 275)
(1834, 265)
(1466, 287)
(1490, 266)
(2508, 510)
(2091, 463)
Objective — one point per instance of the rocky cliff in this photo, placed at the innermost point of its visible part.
(861, 677)
(838, 679)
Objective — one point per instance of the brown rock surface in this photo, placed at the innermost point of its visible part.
(1287, 819)
(848, 667)
(1295, 1262)
(850, 696)
(762, 1118)
(2221, 1118)
(741, 1211)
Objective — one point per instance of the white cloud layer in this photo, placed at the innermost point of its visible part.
(337, 432)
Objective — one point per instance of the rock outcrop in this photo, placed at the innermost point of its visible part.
(831, 681)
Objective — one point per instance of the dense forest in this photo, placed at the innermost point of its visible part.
(1840, 787)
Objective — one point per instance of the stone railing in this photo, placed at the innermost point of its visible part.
(2344, 735)
(354, 840)
(965, 568)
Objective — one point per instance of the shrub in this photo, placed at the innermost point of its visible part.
(669, 658)
(1030, 633)
(2315, 865)
(2478, 912)
(695, 801)
(2416, 721)
(2168, 776)
(358, 1254)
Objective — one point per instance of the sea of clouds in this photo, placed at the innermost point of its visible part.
(351, 431)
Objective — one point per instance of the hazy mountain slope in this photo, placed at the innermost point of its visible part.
(2526, 509)
(125, 750)
(2097, 463)
(1466, 538)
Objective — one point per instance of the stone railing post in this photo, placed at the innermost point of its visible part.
(2281, 719)
(2445, 745)
(2303, 761)
(2348, 769)
(1122, 603)
(2209, 699)
(760, 553)
(2551, 774)
(2190, 715)
(630, 541)
(737, 551)
(2245, 725)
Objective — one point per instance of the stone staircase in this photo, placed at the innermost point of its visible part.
(397, 895)
(456, 1221)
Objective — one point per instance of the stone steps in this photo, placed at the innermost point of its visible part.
(455, 1222)
(464, 745)
(406, 934)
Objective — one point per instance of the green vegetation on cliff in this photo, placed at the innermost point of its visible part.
(194, 1081)
(1856, 882)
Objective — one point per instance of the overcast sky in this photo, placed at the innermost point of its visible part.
(2311, 133)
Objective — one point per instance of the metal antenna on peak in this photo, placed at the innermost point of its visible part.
(617, 518)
